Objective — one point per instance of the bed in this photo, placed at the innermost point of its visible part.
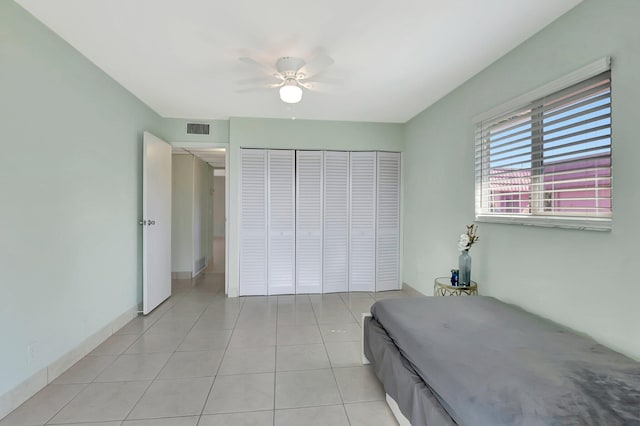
(478, 361)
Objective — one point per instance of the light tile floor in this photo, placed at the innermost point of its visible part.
(203, 359)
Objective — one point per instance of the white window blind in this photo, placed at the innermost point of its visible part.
(548, 162)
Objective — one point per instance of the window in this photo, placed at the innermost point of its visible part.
(547, 161)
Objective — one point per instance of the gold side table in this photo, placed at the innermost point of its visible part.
(442, 287)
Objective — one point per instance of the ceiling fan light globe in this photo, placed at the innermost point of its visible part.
(290, 94)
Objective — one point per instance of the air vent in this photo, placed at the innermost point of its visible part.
(197, 129)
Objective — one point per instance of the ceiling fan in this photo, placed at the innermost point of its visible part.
(293, 74)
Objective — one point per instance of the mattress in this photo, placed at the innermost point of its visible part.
(413, 397)
(490, 363)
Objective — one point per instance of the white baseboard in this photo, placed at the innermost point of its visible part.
(411, 290)
(196, 274)
(393, 405)
(15, 397)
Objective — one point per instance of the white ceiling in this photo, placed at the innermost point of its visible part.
(396, 57)
(213, 156)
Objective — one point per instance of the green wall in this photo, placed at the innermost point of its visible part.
(585, 280)
(70, 179)
(296, 134)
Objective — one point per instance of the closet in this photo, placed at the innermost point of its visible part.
(319, 221)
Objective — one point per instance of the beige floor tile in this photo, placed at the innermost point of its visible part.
(247, 392)
(171, 327)
(308, 388)
(42, 406)
(173, 398)
(100, 402)
(128, 367)
(344, 354)
(296, 317)
(370, 414)
(171, 421)
(248, 360)
(116, 423)
(255, 418)
(302, 357)
(341, 332)
(358, 384)
(115, 345)
(256, 337)
(298, 335)
(338, 316)
(150, 343)
(86, 370)
(333, 415)
(205, 340)
(184, 365)
(137, 325)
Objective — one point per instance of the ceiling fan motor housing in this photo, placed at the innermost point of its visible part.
(288, 66)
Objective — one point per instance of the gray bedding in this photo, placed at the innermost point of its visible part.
(490, 363)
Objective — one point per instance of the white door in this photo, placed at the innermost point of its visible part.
(362, 242)
(156, 221)
(281, 219)
(388, 222)
(253, 222)
(308, 222)
(336, 222)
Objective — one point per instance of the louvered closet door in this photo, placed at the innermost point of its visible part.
(253, 222)
(281, 216)
(362, 244)
(336, 222)
(309, 222)
(388, 222)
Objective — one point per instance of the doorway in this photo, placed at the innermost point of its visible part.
(218, 218)
(199, 211)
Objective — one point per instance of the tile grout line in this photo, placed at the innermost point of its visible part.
(331, 365)
(112, 362)
(165, 363)
(224, 353)
(275, 364)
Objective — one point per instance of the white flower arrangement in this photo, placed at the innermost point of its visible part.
(467, 240)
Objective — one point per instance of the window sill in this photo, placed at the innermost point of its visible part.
(595, 224)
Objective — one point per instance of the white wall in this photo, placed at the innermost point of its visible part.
(202, 213)
(583, 279)
(296, 134)
(219, 191)
(182, 214)
(192, 211)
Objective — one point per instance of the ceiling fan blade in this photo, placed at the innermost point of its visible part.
(252, 62)
(325, 80)
(259, 88)
(315, 86)
(316, 65)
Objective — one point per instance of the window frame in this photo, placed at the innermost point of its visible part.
(535, 100)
